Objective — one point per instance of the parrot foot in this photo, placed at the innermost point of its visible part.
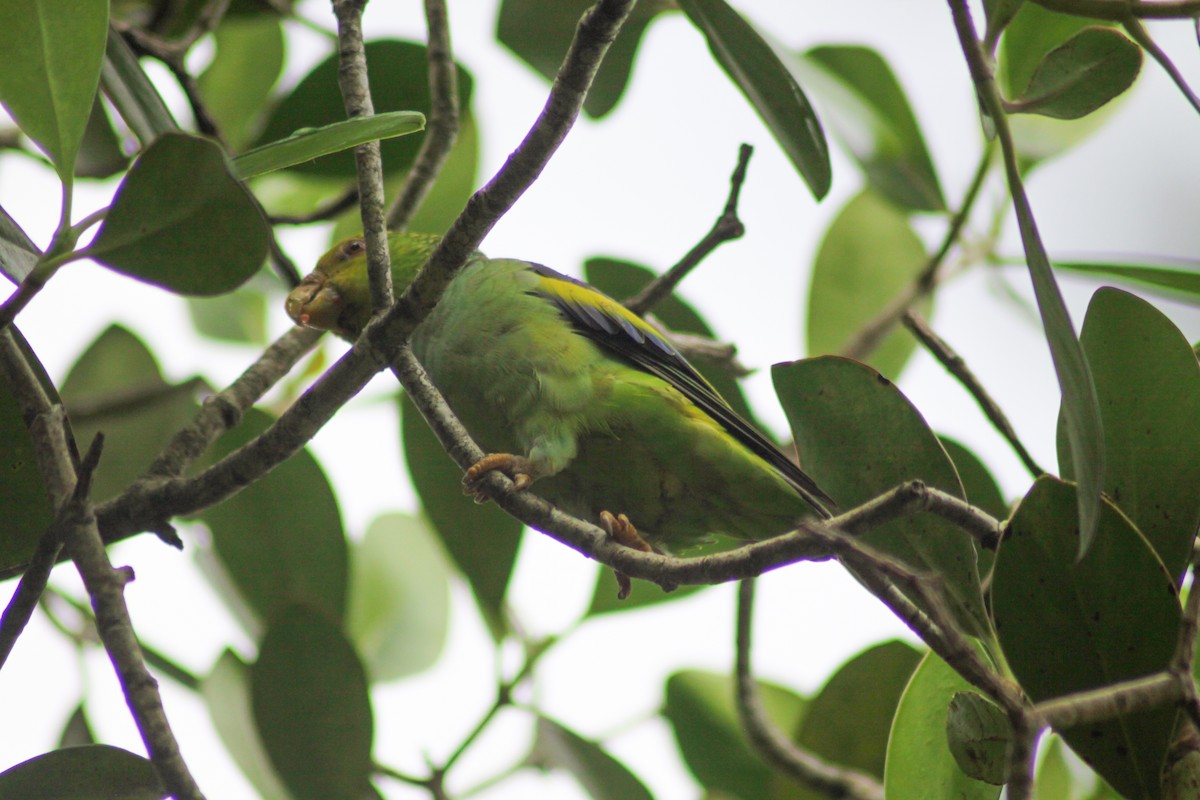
(621, 531)
(517, 468)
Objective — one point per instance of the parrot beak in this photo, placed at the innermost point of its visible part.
(315, 303)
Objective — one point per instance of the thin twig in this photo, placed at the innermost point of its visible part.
(1111, 701)
(356, 96)
(957, 367)
(1118, 10)
(727, 228)
(771, 743)
(871, 334)
(441, 130)
(1138, 31)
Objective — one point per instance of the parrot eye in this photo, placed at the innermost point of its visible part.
(354, 247)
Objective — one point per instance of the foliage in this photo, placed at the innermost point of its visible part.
(1059, 608)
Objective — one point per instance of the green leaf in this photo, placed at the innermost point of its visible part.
(540, 31)
(237, 83)
(865, 106)
(226, 693)
(115, 386)
(849, 720)
(308, 144)
(27, 506)
(919, 762)
(52, 56)
(700, 707)
(399, 597)
(763, 72)
(181, 220)
(836, 406)
(78, 731)
(317, 101)
(1069, 624)
(1079, 76)
(82, 773)
(311, 705)
(18, 254)
(240, 316)
(981, 490)
(980, 737)
(132, 93)
(869, 255)
(481, 539)
(600, 775)
(454, 185)
(1053, 775)
(280, 539)
(1148, 382)
(1080, 407)
(100, 151)
(1179, 283)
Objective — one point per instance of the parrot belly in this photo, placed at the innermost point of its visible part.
(600, 434)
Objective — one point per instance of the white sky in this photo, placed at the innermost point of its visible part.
(643, 184)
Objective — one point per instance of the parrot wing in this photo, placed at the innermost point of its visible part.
(611, 325)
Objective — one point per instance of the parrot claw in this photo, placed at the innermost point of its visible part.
(621, 531)
(516, 468)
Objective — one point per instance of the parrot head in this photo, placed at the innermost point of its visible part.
(336, 295)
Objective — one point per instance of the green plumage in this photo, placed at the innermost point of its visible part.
(599, 409)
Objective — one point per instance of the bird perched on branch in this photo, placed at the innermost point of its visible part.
(571, 392)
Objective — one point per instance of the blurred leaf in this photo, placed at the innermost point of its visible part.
(311, 706)
(1053, 776)
(181, 220)
(849, 720)
(77, 731)
(763, 72)
(82, 773)
(1069, 623)
(869, 255)
(1148, 383)
(52, 56)
(281, 539)
(600, 775)
(836, 406)
(115, 386)
(1180, 283)
(919, 762)
(1000, 12)
(481, 539)
(27, 506)
(226, 693)
(1079, 76)
(240, 316)
(980, 737)
(540, 31)
(317, 101)
(868, 111)
(237, 83)
(700, 707)
(399, 597)
(455, 183)
(308, 144)
(100, 151)
(18, 253)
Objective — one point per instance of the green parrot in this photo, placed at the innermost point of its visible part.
(565, 387)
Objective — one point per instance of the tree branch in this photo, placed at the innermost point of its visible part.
(441, 130)
(727, 227)
(771, 743)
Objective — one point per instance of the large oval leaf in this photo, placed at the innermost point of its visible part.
(858, 436)
(309, 694)
(82, 773)
(762, 71)
(180, 220)
(52, 56)
(1070, 624)
(867, 109)
(481, 539)
(1079, 76)
(868, 256)
(919, 761)
(281, 538)
(1148, 382)
(601, 775)
(317, 101)
(237, 83)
